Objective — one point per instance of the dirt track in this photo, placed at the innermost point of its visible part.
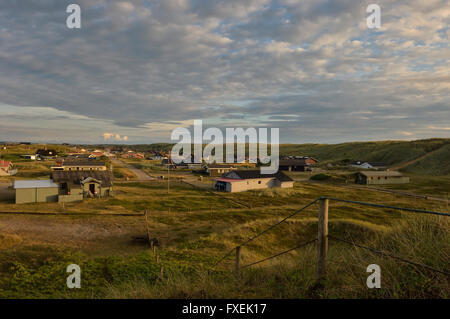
(91, 234)
(140, 174)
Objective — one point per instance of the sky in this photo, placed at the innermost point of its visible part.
(136, 70)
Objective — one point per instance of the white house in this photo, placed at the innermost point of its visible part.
(243, 180)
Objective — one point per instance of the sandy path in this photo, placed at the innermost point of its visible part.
(141, 175)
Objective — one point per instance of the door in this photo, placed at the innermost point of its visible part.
(92, 189)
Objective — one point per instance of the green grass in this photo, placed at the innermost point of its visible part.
(437, 163)
(389, 152)
(196, 228)
(202, 227)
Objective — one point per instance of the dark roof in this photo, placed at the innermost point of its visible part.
(244, 174)
(48, 152)
(220, 166)
(293, 162)
(4, 163)
(82, 163)
(377, 163)
(75, 177)
(381, 173)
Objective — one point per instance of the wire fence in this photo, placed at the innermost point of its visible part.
(282, 253)
(411, 210)
(379, 252)
(263, 232)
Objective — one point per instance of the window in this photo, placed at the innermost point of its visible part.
(259, 182)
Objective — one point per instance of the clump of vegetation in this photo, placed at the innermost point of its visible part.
(182, 270)
(320, 177)
(420, 239)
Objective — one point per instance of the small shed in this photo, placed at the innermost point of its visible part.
(380, 177)
(36, 191)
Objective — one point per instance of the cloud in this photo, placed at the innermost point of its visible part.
(117, 137)
(138, 66)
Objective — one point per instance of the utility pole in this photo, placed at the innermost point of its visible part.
(168, 171)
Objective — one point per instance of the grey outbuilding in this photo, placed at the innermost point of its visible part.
(36, 191)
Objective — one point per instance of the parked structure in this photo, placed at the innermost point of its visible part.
(239, 181)
(6, 168)
(79, 165)
(218, 169)
(381, 177)
(295, 165)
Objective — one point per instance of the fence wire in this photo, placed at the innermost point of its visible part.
(264, 231)
(282, 253)
(411, 210)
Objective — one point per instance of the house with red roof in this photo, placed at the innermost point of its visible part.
(6, 168)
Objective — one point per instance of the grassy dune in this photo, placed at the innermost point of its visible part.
(437, 163)
(196, 228)
(294, 276)
(389, 152)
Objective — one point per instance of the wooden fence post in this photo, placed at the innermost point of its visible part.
(238, 259)
(322, 238)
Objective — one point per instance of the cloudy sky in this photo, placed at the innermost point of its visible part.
(138, 69)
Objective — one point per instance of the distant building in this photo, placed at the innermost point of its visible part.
(380, 177)
(239, 181)
(96, 154)
(294, 165)
(136, 155)
(218, 169)
(368, 165)
(6, 168)
(36, 191)
(30, 157)
(65, 186)
(74, 185)
(158, 157)
(308, 160)
(46, 153)
(79, 165)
